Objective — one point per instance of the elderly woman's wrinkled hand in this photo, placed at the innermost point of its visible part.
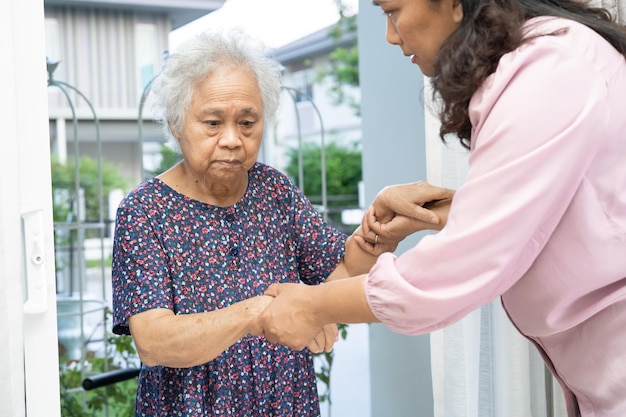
(255, 306)
(325, 340)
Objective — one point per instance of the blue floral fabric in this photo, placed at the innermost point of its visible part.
(173, 252)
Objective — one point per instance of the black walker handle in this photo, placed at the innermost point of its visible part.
(108, 378)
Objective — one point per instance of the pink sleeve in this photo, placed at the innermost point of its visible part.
(533, 139)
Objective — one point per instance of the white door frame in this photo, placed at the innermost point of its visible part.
(29, 377)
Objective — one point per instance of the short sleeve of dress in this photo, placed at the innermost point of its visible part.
(139, 266)
(320, 246)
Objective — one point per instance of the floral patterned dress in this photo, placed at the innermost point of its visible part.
(173, 252)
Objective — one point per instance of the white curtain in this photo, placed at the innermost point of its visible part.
(482, 366)
(616, 7)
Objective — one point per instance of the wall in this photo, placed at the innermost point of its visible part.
(393, 152)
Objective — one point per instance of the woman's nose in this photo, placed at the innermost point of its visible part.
(392, 33)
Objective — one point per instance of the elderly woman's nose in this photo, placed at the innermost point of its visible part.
(230, 136)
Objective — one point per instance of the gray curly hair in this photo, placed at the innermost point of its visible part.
(198, 58)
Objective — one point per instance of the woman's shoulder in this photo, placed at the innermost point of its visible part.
(146, 192)
(547, 25)
(550, 38)
(267, 175)
(144, 188)
(562, 68)
(560, 32)
(553, 48)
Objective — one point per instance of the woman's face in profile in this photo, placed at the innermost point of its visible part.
(223, 126)
(419, 27)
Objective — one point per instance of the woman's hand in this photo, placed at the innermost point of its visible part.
(403, 209)
(377, 246)
(323, 341)
(410, 200)
(401, 226)
(288, 319)
(254, 307)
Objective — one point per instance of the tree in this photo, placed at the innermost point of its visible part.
(64, 187)
(343, 167)
(344, 70)
(343, 164)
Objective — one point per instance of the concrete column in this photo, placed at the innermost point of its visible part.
(393, 152)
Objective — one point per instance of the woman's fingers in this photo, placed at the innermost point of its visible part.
(409, 200)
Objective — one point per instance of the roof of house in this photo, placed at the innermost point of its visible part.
(315, 44)
(180, 11)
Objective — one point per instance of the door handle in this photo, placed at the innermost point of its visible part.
(34, 249)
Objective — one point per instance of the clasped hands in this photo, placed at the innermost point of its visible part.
(292, 316)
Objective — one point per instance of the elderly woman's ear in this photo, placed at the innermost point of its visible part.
(173, 131)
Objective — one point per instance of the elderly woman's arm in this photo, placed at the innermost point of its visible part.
(185, 340)
(360, 255)
(301, 311)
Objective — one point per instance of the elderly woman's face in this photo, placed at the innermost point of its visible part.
(223, 125)
(419, 27)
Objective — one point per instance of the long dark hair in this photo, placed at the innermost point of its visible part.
(490, 29)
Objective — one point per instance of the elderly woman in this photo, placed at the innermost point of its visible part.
(196, 247)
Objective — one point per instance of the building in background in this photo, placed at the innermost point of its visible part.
(110, 50)
(307, 110)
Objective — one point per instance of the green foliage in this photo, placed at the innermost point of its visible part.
(344, 70)
(169, 158)
(323, 374)
(64, 186)
(97, 263)
(343, 171)
(118, 398)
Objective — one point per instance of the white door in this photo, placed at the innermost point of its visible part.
(29, 379)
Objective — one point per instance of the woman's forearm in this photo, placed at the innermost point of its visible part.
(342, 301)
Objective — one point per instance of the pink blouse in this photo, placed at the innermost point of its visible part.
(540, 220)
